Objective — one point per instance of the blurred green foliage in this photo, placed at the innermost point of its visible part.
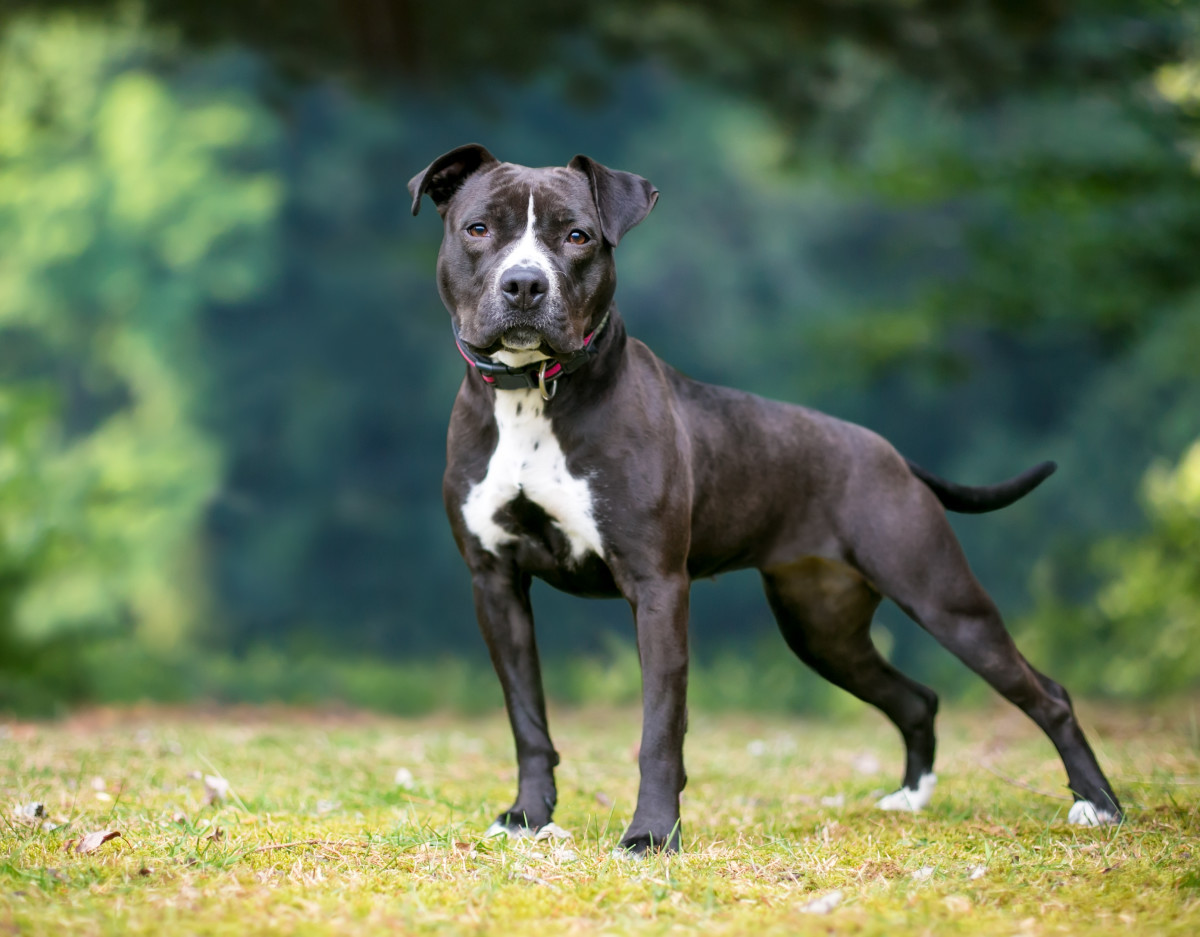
(122, 215)
(1152, 600)
(1141, 637)
(225, 372)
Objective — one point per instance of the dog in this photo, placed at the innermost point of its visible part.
(575, 455)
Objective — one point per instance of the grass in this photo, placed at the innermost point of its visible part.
(316, 836)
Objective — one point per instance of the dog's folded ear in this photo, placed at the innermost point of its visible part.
(622, 198)
(442, 178)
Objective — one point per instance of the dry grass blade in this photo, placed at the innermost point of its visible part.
(271, 847)
(1022, 785)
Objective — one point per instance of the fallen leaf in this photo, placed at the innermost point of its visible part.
(603, 799)
(552, 831)
(215, 788)
(404, 778)
(824, 904)
(923, 874)
(93, 841)
(216, 834)
(866, 763)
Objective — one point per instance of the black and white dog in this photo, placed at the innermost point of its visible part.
(577, 456)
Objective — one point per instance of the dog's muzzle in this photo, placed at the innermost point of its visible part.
(538, 374)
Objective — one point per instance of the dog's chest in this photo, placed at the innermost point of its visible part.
(528, 467)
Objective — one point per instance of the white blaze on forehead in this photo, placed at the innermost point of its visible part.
(528, 460)
(527, 252)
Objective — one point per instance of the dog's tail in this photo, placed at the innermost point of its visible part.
(965, 499)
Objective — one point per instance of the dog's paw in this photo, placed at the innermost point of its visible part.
(515, 830)
(908, 798)
(1085, 813)
(506, 826)
(628, 855)
(640, 845)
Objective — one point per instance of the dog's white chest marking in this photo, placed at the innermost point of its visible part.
(528, 460)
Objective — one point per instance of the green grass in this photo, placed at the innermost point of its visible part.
(316, 837)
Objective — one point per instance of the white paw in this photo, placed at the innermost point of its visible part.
(549, 831)
(1085, 813)
(499, 829)
(908, 799)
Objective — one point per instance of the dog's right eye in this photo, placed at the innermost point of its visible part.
(477, 230)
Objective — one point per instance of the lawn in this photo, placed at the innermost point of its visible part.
(261, 820)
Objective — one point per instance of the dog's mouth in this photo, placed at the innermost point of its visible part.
(528, 342)
(522, 338)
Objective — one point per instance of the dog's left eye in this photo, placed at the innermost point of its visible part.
(578, 237)
(477, 230)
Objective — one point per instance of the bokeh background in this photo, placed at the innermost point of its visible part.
(225, 373)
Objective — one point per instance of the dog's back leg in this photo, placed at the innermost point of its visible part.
(824, 611)
(915, 559)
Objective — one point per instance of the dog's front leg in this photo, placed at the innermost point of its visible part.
(660, 608)
(506, 619)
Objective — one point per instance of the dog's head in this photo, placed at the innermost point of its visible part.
(526, 264)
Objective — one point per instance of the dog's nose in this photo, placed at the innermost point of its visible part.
(524, 287)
